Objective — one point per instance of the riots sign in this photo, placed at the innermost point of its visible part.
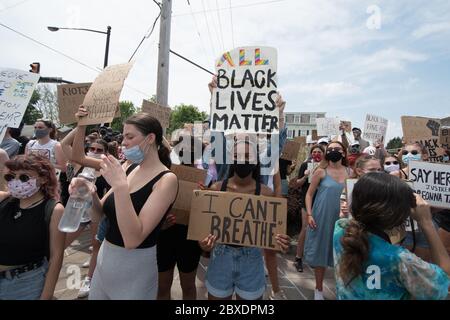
(102, 99)
(244, 100)
(375, 128)
(426, 132)
(70, 97)
(16, 89)
(432, 182)
(238, 219)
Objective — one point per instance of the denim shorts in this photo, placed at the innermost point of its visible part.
(421, 241)
(239, 270)
(101, 230)
(26, 286)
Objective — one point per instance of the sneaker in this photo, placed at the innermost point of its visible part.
(280, 295)
(85, 287)
(318, 295)
(86, 264)
(298, 264)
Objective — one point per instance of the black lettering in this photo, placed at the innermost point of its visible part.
(272, 228)
(256, 101)
(270, 80)
(218, 107)
(223, 118)
(248, 76)
(257, 117)
(257, 224)
(211, 196)
(225, 232)
(236, 230)
(261, 210)
(221, 75)
(246, 119)
(249, 209)
(271, 100)
(234, 121)
(263, 237)
(215, 226)
(231, 207)
(233, 78)
(242, 102)
(247, 232)
(275, 206)
(260, 84)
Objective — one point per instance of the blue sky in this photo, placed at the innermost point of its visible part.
(329, 58)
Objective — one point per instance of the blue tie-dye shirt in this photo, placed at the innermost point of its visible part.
(390, 273)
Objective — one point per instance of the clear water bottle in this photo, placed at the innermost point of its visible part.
(80, 201)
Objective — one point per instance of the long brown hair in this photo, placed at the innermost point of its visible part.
(324, 162)
(42, 167)
(379, 202)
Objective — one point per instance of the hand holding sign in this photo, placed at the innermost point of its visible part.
(208, 243)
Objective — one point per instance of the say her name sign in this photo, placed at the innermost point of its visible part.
(432, 182)
(244, 100)
(238, 219)
(102, 99)
(16, 89)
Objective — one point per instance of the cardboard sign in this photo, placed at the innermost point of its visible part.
(432, 182)
(236, 218)
(314, 136)
(244, 100)
(290, 150)
(188, 179)
(102, 99)
(426, 132)
(16, 89)
(327, 127)
(347, 125)
(301, 140)
(70, 97)
(375, 128)
(349, 185)
(157, 111)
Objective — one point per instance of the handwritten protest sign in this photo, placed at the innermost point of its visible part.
(314, 135)
(375, 128)
(157, 111)
(432, 182)
(244, 99)
(236, 218)
(426, 132)
(290, 150)
(327, 127)
(16, 89)
(444, 136)
(102, 99)
(312, 166)
(70, 97)
(188, 179)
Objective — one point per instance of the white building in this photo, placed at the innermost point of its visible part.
(301, 123)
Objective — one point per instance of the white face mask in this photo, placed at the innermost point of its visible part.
(94, 155)
(23, 190)
(392, 168)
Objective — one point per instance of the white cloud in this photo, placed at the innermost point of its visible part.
(431, 28)
(327, 89)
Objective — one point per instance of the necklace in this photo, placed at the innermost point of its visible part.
(19, 211)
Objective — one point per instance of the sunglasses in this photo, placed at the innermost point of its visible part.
(334, 149)
(92, 149)
(388, 163)
(23, 177)
(413, 152)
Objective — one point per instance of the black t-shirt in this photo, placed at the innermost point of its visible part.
(23, 234)
(284, 164)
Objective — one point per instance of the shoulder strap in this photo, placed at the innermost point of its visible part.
(258, 188)
(152, 182)
(224, 185)
(49, 207)
(131, 168)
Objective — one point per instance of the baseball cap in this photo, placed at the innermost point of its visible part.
(355, 128)
(323, 140)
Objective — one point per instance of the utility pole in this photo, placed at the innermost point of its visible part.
(162, 85)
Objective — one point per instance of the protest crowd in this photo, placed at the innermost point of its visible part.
(155, 202)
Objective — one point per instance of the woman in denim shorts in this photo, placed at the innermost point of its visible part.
(237, 269)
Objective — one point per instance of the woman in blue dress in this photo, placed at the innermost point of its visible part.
(367, 265)
(329, 181)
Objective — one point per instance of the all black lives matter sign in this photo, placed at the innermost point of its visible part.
(244, 100)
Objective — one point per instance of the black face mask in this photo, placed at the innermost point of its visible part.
(333, 156)
(243, 169)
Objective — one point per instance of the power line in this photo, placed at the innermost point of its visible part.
(220, 26)
(149, 33)
(13, 6)
(50, 48)
(214, 27)
(232, 27)
(97, 70)
(207, 28)
(198, 31)
(235, 7)
(191, 62)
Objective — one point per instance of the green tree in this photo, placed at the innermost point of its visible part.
(48, 103)
(182, 114)
(31, 113)
(127, 109)
(394, 143)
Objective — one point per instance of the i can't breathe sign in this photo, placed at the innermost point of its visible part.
(246, 93)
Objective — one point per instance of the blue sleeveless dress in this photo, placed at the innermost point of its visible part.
(325, 211)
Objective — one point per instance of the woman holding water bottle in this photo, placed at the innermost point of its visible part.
(31, 246)
(135, 206)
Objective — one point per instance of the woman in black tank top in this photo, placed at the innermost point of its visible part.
(135, 207)
(233, 268)
(31, 246)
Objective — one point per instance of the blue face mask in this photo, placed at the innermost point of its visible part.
(446, 158)
(411, 157)
(134, 154)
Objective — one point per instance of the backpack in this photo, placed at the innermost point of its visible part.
(49, 207)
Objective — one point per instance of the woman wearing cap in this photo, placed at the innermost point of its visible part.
(328, 180)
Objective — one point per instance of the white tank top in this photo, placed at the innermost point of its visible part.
(46, 150)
